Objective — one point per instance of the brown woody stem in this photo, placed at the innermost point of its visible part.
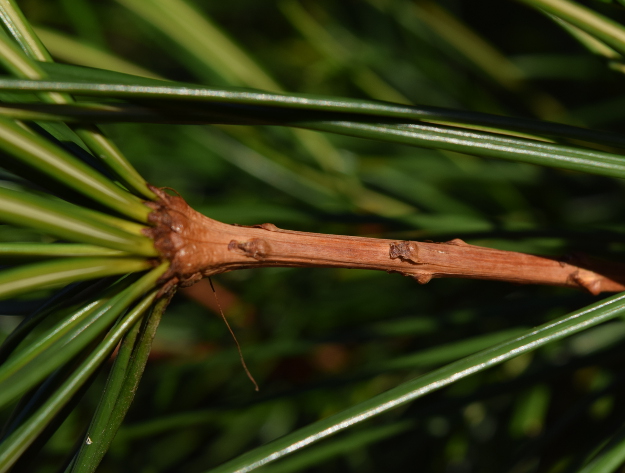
(198, 246)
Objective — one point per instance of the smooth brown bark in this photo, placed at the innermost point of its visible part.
(198, 246)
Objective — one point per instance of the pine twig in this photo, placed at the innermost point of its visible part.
(198, 246)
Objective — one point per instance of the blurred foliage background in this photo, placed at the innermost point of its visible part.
(316, 340)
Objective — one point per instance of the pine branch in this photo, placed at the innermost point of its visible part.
(198, 246)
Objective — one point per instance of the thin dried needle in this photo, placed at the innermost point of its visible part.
(247, 371)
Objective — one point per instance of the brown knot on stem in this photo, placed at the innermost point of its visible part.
(256, 248)
(405, 251)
